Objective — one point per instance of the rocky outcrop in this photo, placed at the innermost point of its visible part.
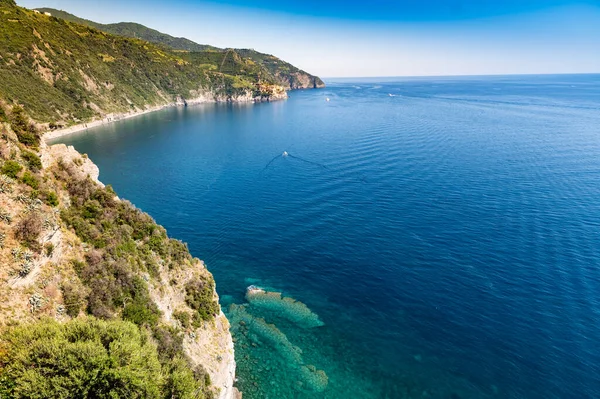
(210, 345)
(87, 168)
(302, 80)
(263, 92)
(37, 276)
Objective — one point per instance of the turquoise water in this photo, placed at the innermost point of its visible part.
(438, 238)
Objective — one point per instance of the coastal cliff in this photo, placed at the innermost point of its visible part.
(65, 73)
(73, 254)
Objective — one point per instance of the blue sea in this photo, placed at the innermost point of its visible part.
(443, 233)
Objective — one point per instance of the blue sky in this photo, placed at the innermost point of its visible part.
(380, 37)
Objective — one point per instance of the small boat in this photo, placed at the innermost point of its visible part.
(327, 99)
(285, 154)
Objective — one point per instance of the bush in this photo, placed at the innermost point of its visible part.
(49, 248)
(183, 317)
(141, 313)
(26, 132)
(11, 169)
(28, 230)
(34, 162)
(179, 250)
(92, 209)
(199, 295)
(181, 380)
(73, 298)
(31, 180)
(49, 197)
(81, 358)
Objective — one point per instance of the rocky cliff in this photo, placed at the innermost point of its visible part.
(70, 249)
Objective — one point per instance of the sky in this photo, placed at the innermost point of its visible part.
(345, 38)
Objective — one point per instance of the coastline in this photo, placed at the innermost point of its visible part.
(108, 119)
(204, 98)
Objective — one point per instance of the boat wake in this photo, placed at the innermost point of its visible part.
(285, 154)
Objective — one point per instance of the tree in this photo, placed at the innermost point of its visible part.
(82, 358)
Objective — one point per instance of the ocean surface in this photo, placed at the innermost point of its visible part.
(441, 235)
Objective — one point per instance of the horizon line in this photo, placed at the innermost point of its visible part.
(461, 75)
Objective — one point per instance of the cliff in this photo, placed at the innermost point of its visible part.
(86, 273)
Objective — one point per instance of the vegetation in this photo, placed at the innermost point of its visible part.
(282, 72)
(49, 197)
(199, 296)
(34, 162)
(273, 68)
(118, 343)
(64, 72)
(31, 180)
(28, 230)
(11, 169)
(25, 130)
(133, 30)
(88, 358)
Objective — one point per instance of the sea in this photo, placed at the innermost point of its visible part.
(404, 237)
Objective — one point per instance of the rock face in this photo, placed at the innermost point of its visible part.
(86, 167)
(263, 93)
(301, 80)
(209, 346)
(37, 273)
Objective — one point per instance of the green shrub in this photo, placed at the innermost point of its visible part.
(199, 295)
(79, 359)
(49, 248)
(78, 266)
(73, 298)
(34, 162)
(183, 317)
(181, 380)
(91, 210)
(31, 180)
(158, 244)
(141, 313)
(11, 169)
(26, 132)
(179, 250)
(49, 197)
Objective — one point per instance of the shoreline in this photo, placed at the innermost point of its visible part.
(115, 117)
(108, 119)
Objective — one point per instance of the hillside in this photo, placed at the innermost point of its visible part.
(63, 72)
(133, 30)
(282, 72)
(96, 299)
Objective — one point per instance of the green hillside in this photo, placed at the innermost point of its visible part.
(282, 72)
(133, 30)
(63, 72)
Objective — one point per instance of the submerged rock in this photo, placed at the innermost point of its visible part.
(288, 308)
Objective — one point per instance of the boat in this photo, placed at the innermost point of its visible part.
(285, 154)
